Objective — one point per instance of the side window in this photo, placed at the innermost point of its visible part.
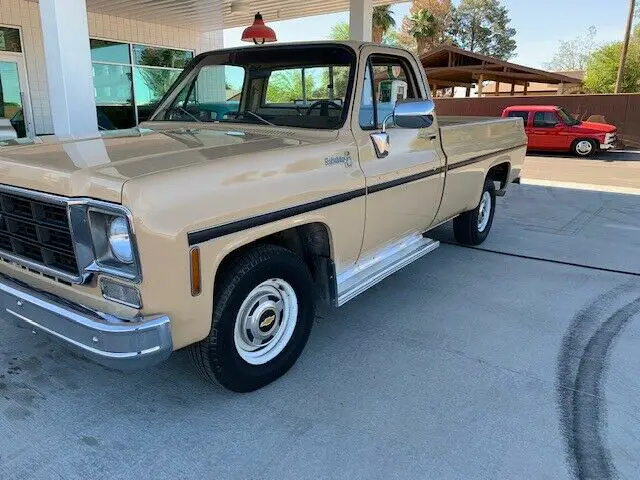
(388, 80)
(545, 120)
(519, 113)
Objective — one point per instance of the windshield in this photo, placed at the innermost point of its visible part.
(282, 86)
(567, 118)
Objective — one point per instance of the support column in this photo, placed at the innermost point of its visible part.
(497, 90)
(480, 85)
(526, 87)
(65, 33)
(360, 19)
(513, 89)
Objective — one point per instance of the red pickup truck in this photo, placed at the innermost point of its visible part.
(551, 128)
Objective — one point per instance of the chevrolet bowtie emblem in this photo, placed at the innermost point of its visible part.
(267, 321)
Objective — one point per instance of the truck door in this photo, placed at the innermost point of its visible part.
(404, 188)
(547, 132)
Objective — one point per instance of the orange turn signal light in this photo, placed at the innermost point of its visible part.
(196, 277)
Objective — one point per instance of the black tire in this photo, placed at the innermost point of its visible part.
(466, 226)
(216, 357)
(581, 153)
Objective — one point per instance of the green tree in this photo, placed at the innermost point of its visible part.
(482, 26)
(340, 32)
(602, 67)
(381, 22)
(285, 86)
(438, 26)
(574, 54)
(423, 28)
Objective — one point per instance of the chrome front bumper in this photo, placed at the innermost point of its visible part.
(118, 343)
(607, 146)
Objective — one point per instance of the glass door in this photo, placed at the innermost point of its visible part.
(15, 118)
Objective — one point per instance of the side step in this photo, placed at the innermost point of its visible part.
(371, 270)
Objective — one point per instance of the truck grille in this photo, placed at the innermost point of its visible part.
(37, 231)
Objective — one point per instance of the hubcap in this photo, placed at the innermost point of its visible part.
(584, 147)
(484, 211)
(266, 321)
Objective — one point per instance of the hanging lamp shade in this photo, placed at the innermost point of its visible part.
(258, 33)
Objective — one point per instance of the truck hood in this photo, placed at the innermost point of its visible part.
(597, 127)
(99, 167)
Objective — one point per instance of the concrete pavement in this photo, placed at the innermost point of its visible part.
(615, 171)
(468, 364)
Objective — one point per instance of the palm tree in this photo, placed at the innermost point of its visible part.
(423, 27)
(382, 21)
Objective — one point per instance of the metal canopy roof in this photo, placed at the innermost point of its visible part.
(205, 15)
(449, 66)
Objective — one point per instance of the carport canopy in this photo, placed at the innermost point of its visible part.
(450, 66)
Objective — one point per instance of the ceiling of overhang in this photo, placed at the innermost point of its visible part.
(205, 15)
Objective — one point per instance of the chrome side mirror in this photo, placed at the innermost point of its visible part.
(412, 113)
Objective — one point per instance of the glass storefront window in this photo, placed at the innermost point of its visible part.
(160, 57)
(112, 52)
(128, 89)
(150, 85)
(10, 40)
(114, 97)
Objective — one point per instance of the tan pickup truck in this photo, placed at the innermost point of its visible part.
(268, 179)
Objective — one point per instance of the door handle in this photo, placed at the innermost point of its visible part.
(432, 137)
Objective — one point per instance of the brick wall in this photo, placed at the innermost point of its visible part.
(26, 16)
(622, 110)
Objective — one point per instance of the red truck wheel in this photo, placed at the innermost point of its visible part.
(584, 147)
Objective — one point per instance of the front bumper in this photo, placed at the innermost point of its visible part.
(124, 344)
(607, 146)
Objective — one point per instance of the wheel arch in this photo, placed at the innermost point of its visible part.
(311, 241)
(499, 173)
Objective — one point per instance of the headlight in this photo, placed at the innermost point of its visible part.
(119, 240)
(113, 244)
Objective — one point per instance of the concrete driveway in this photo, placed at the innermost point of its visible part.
(468, 364)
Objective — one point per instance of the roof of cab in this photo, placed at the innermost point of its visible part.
(541, 108)
(353, 44)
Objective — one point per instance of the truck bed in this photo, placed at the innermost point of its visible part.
(464, 138)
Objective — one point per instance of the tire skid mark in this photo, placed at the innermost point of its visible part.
(582, 364)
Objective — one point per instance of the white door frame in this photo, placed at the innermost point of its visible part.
(18, 58)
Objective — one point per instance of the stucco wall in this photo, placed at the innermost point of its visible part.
(26, 16)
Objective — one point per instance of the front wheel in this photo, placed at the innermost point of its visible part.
(472, 228)
(262, 316)
(584, 147)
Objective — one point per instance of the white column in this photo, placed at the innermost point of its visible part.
(360, 18)
(65, 33)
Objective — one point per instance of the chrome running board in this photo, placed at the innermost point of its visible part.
(371, 270)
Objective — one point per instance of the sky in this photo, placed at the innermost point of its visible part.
(540, 25)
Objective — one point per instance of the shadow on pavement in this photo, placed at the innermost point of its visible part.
(614, 156)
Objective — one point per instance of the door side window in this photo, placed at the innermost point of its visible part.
(545, 120)
(388, 79)
(519, 114)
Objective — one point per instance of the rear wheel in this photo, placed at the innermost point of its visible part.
(472, 228)
(262, 317)
(584, 147)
